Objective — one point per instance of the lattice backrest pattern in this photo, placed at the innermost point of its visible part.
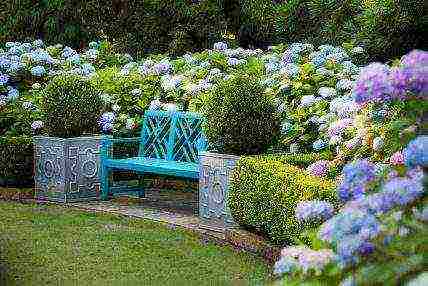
(155, 135)
(174, 136)
(187, 136)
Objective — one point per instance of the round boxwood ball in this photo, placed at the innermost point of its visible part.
(241, 118)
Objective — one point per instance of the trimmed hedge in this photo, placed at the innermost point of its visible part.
(134, 26)
(16, 164)
(298, 160)
(264, 194)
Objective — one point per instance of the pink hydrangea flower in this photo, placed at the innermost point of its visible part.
(397, 158)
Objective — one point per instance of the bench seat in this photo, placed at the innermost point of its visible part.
(156, 166)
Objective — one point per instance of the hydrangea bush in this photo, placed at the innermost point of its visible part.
(380, 225)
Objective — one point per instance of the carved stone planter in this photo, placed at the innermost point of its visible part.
(67, 170)
(215, 170)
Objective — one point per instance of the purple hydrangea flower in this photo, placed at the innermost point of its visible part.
(314, 211)
(416, 152)
(415, 58)
(319, 168)
(373, 84)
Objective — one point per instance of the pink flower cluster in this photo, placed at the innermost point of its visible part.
(307, 259)
(397, 159)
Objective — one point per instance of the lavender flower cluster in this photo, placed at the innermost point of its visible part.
(380, 83)
(319, 168)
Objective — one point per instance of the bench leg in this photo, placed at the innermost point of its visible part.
(105, 182)
(141, 192)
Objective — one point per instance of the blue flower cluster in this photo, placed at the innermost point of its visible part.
(356, 176)
(350, 232)
(314, 211)
(416, 152)
(106, 122)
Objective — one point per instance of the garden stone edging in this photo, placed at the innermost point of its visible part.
(67, 170)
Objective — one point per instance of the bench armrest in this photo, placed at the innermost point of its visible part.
(107, 144)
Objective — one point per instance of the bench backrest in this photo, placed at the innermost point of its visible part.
(172, 136)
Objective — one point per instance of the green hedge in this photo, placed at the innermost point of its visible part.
(264, 193)
(298, 160)
(16, 164)
(387, 29)
(134, 26)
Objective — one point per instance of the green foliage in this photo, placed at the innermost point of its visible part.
(119, 88)
(264, 194)
(16, 165)
(71, 106)
(300, 160)
(240, 117)
(386, 29)
(133, 26)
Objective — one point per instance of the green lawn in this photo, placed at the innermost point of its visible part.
(52, 245)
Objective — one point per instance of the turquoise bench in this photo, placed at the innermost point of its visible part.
(169, 145)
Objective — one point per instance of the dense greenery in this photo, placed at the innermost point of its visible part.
(386, 29)
(16, 164)
(240, 117)
(41, 244)
(133, 26)
(264, 194)
(71, 107)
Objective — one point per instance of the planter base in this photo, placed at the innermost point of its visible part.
(67, 170)
(214, 173)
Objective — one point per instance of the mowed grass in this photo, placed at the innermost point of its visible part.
(53, 245)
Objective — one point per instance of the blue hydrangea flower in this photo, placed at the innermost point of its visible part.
(285, 265)
(416, 152)
(13, 93)
(232, 61)
(220, 46)
(327, 92)
(68, 52)
(314, 211)
(4, 78)
(38, 71)
(319, 145)
(356, 176)
(38, 43)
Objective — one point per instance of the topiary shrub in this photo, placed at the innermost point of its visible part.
(264, 194)
(16, 164)
(71, 106)
(240, 117)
